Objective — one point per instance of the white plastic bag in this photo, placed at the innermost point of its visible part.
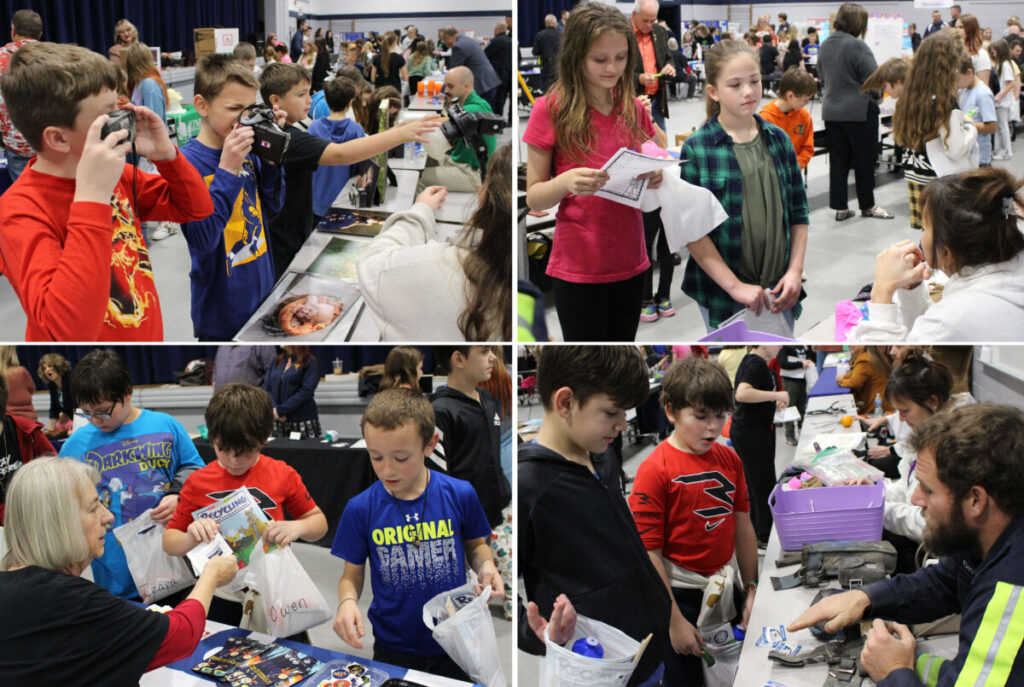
(717, 605)
(727, 662)
(156, 574)
(468, 636)
(560, 667)
(289, 598)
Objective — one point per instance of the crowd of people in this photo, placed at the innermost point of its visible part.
(437, 460)
(244, 218)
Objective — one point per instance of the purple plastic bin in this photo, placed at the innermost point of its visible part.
(737, 332)
(809, 516)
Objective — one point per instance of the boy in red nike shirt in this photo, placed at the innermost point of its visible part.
(71, 240)
(690, 505)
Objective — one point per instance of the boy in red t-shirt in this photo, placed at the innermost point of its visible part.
(71, 241)
(690, 505)
(239, 419)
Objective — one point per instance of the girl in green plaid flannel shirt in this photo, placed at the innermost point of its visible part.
(755, 258)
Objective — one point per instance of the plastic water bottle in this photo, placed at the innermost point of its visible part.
(589, 647)
(409, 151)
(878, 406)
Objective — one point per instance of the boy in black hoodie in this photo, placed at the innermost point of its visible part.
(577, 537)
(469, 448)
(469, 424)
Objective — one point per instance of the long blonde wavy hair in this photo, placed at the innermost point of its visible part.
(930, 91)
(573, 131)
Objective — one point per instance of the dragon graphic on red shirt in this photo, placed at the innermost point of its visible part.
(132, 290)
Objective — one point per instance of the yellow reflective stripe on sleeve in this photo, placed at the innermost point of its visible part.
(997, 641)
(525, 309)
(927, 669)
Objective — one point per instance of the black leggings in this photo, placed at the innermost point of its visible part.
(599, 312)
(852, 145)
(757, 451)
(653, 228)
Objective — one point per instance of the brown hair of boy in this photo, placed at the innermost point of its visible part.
(239, 418)
(973, 215)
(214, 72)
(393, 408)
(697, 383)
(244, 51)
(46, 83)
(338, 94)
(618, 371)
(798, 82)
(893, 71)
(279, 78)
(27, 24)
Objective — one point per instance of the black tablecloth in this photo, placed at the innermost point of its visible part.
(332, 475)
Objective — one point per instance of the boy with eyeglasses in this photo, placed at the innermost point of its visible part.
(143, 457)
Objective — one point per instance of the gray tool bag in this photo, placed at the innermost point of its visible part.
(841, 655)
(854, 564)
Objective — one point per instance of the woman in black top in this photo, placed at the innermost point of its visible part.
(57, 628)
(753, 434)
(55, 370)
(389, 66)
(322, 65)
(794, 57)
(292, 383)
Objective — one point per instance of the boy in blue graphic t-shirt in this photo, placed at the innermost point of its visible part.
(419, 528)
(143, 457)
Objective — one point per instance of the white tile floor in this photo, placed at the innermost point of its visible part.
(840, 256)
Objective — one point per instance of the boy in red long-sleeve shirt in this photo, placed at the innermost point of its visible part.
(789, 113)
(71, 240)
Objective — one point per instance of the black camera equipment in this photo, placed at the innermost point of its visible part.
(471, 127)
(120, 120)
(270, 141)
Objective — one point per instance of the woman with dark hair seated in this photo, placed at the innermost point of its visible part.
(57, 628)
(402, 368)
(422, 288)
(972, 234)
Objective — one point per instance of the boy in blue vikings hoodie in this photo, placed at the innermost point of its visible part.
(232, 270)
(328, 181)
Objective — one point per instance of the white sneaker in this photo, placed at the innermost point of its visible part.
(164, 230)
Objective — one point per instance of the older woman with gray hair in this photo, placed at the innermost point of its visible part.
(55, 626)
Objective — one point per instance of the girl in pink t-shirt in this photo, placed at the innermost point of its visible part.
(599, 257)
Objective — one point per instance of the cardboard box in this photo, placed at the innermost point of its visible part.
(214, 41)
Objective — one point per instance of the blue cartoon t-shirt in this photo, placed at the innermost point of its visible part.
(404, 576)
(136, 462)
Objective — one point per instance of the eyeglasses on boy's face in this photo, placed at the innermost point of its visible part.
(101, 415)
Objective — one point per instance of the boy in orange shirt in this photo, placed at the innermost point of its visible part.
(787, 112)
